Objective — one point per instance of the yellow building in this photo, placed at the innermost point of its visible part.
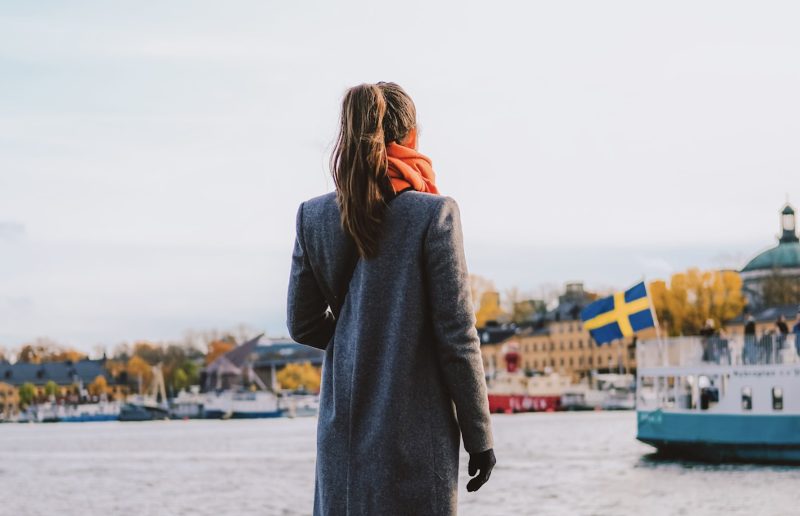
(567, 348)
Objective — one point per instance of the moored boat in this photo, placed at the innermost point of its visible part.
(143, 412)
(607, 391)
(241, 404)
(512, 391)
(720, 399)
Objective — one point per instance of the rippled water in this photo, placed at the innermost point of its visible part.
(565, 463)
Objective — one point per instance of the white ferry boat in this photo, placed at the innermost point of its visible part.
(720, 399)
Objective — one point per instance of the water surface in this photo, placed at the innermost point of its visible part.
(563, 463)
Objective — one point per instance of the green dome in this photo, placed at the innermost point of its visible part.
(785, 256)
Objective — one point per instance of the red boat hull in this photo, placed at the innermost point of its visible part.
(513, 403)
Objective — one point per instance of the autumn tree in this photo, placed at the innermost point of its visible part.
(99, 386)
(694, 296)
(45, 350)
(299, 375)
(217, 348)
(490, 309)
(139, 372)
(150, 353)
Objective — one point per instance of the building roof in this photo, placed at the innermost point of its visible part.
(232, 361)
(496, 334)
(785, 255)
(62, 373)
(279, 352)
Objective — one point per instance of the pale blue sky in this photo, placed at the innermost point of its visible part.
(153, 154)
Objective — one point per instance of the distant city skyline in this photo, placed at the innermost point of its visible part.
(152, 160)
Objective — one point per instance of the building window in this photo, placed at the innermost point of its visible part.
(562, 362)
(580, 361)
(561, 346)
(580, 344)
(591, 360)
(777, 398)
(535, 364)
(552, 346)
(747, 398)
(535, 347)
(570, 361)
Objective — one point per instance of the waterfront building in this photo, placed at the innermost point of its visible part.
(274, 355)
(71, 377)
(9, 401)
(557, 341)
(780, 263)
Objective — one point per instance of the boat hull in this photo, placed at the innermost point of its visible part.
(89, 418)
(514, 403)
(722, 437)
(142, 413)
(218, 414)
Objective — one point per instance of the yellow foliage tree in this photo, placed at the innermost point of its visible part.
(217, 348)
(99, 386)
(294, 376)
(694, 296)
(138, 368)
(490, 309)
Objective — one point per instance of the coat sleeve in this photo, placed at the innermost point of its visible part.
(308, 317)
(458, 346)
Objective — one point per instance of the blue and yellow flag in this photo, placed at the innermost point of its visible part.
(620, 315)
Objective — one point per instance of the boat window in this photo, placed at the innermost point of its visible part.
(777, 398)
(747, 398)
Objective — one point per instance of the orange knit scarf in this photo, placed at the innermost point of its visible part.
(409, 168)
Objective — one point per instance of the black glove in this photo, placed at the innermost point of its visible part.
(481, 463)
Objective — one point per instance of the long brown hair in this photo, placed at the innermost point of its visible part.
(372, 116)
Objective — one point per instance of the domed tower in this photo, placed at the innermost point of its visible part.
(782, 261)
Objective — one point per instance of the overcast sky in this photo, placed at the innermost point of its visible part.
(153, 154)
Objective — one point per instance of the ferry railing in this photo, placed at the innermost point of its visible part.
(738, 350)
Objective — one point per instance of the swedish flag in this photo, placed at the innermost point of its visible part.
(620, 315)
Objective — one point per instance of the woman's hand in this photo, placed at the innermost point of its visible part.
(481, 463)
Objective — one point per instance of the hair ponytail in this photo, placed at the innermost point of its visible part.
(372, 115)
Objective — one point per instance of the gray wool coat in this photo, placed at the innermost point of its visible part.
(402, 378)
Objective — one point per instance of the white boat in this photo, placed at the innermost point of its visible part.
(188, 404)
(299, 405)
(241, 404)
(51, 412)
(720, 399)
(601, 392)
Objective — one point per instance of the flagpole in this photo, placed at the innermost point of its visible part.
(661, 347)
